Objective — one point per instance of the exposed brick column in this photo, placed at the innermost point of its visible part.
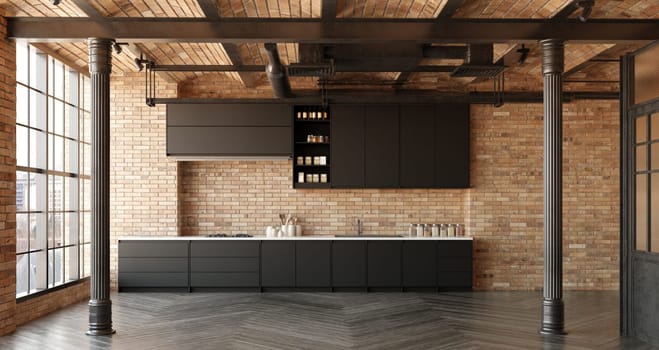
(100, 305)
(7, 181)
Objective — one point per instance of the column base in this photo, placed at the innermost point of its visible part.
(100, 317)
(552, 317)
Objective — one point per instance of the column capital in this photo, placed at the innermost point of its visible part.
(100, 55)
(553, 52)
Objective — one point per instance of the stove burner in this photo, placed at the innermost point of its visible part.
(238, 235)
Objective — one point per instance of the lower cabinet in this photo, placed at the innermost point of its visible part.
(215, 264)
(384, 263)
(149, 264)
(419, 264)
(349, 264)
(312, 264)
(278, 264)
(454, 264)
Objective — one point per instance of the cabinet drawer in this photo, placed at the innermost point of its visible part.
(454, 279)
(454, 248)
(454, 263)
(223, 249)
(148, 249)
(224, 264)
(153, 279)
(224, 279)
(153, 265)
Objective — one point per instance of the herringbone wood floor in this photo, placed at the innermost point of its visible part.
(486, 320)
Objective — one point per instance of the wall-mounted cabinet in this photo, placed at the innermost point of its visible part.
(229, 130)
(311, 147)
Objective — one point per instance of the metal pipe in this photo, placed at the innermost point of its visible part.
(281, 87)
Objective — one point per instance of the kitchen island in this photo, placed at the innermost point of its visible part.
(306, 263)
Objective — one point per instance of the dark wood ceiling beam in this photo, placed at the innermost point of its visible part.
(328, 10)
(450, 8)
(566, 11)
(338, 31)
(209, 8)
(356, 68)
(88, 9)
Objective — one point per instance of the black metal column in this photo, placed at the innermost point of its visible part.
(552, 303)
(100, 305)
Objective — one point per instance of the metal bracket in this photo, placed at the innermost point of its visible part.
(499, 87)
(149, 84)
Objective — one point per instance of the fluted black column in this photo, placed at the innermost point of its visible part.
(552, 303)
(100, 305)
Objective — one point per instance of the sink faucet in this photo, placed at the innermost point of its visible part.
(360, 227)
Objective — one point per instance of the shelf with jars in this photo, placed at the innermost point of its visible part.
(311, 147)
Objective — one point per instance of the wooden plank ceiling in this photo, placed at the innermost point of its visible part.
(578, 58)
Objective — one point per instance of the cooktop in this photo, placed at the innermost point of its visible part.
(229, 235)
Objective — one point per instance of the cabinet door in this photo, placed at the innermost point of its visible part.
(419, 264)
(381, 150)
(347, 145)
(278, 264)
(312, 264)
(384, 260)
(417, 146)
(221, 263)
(349, 264)
(452, 146)
(454, 264)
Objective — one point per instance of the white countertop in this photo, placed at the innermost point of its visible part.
(300, 238)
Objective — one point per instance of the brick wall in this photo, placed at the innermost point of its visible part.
(143, 186)
(7, 181)
(35, 308)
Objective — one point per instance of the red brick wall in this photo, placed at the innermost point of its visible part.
(35, 308)
(7, 181)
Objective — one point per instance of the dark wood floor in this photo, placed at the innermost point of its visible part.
(487, 320)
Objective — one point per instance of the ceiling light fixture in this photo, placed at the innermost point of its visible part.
(141, 62)
(587, 6)
(117, 47)
(55, 2)
(523, 54)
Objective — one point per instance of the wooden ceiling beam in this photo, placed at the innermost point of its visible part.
(352, 68)
(209, 8)
(450, 8)
(338, 31)
(88, 9)
(328, 10)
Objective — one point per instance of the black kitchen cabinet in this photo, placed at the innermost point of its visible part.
(349, 264)
(229, 130)
(312, 264)
(417, 146)
(278, 264)
(216, 264)
(419, 264)
(384, 264)
(454, 264)
(347, 147)
(381, 146)
(150, 264)
(452, 146)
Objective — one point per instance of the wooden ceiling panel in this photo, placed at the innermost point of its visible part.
(270, 9)
(148, 8)
(76, 55)
(510, 8)
(389, 8)
(40, 8)
(626, 9)
(576, 54)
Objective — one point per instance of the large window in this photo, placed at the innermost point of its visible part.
(53, 149)
(647, 182)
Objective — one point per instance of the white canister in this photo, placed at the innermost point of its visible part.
(300, 177)
(323, 160)
(451, 230)
(290, 230)
(419, 230)
(435, 230)
(298, 230)
(269, 231)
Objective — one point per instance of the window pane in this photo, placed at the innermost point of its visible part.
(72, 194)
(86, 258)
(87, 157)
(641, 129)
(641, 158)
(22, 104)
(71, 227)
(56, 153)
(654, 152)
(37, 70)
(71, 263)
(71, 156)
(85, 194)
(55, 267)
(86, 94)
(55, 193)
(55, 229)
(654, 233)
(38, 231)
(87, 227)
(37, 149)
(56, 113)
(37, 271)
(22, 232)
(641, 212)
(21, 146)
(21, 60)
(37, 110)
(22, 268)
(87, 127)
(22, 187)
(37, 192)
(71, 122)
(71, 93)
(655, 126)
(646, 75)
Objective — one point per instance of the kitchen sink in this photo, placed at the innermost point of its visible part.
(368, 236)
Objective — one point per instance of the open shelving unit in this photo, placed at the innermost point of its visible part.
(311, 155)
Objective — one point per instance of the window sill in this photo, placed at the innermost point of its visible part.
(50, 290)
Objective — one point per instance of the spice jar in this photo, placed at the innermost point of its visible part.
(316, 178)
(419, 230)
(443, 230)
(412, 230)
(459, 230)
(299, 161)
(323, 178)
(309, 178)
(307, 160)
(316, 160)
(300, 177)
(451, 230)
(435, 230)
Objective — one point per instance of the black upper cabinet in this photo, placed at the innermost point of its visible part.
(417, 146)
(278, 264)
(347, 142)
(349, 264)
(452, 146)
(312, 264)
(381, 147)
(384, 263)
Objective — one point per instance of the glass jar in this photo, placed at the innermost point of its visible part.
(300, 177)
(443, 230)
(419, 230)
(435, 230)
(451, 230)
(459, 230)
(411, 232)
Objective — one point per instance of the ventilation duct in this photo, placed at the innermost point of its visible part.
(281, 87)
(478, 63)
